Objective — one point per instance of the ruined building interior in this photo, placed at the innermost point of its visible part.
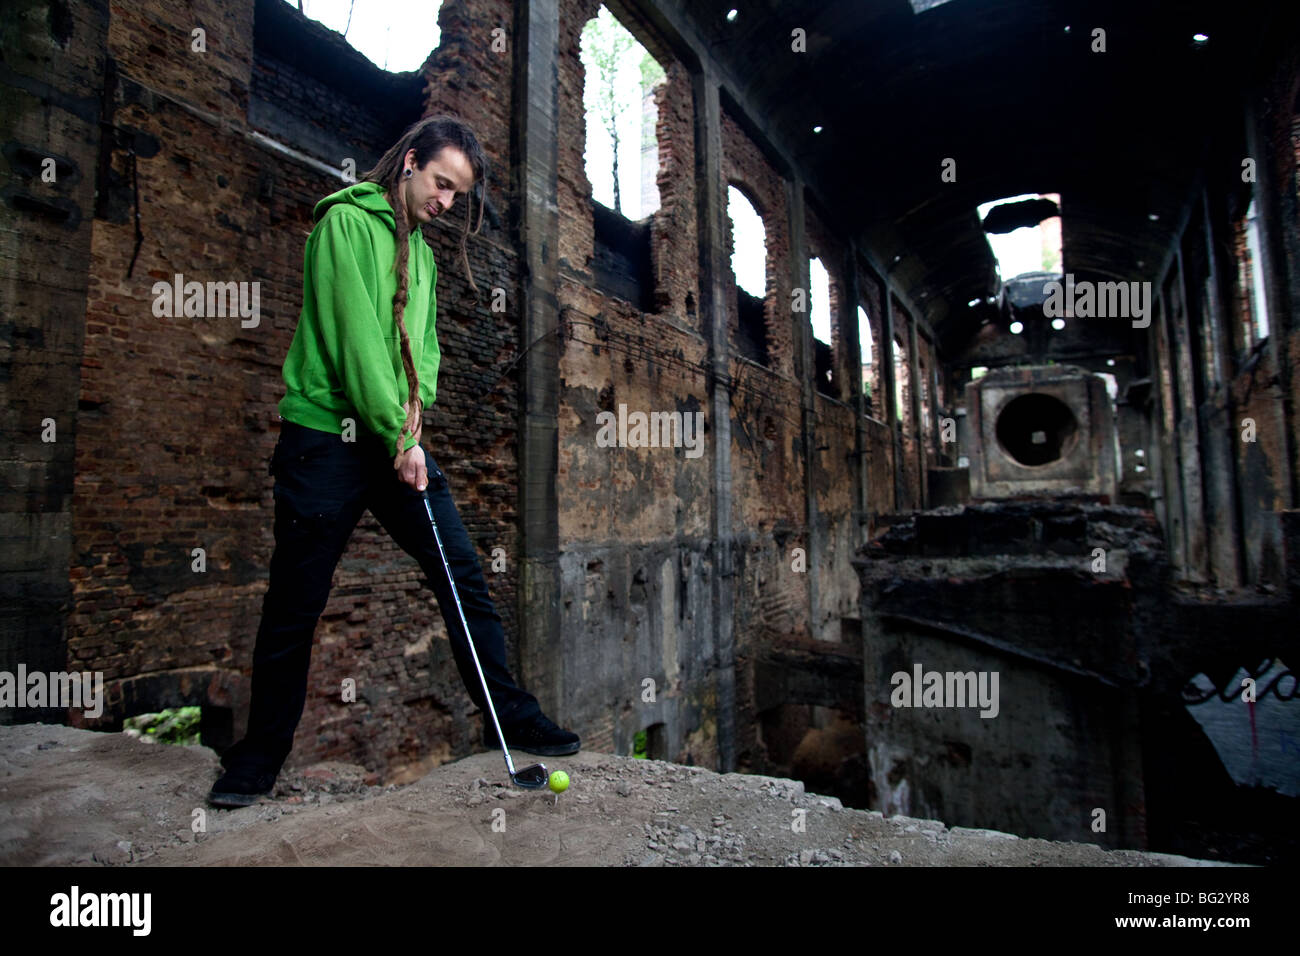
(1077, 483)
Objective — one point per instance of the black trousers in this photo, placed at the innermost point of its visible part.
(322, 486)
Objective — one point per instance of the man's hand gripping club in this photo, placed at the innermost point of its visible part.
(409, 465)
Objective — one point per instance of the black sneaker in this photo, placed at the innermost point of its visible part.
(538, 735)
(241, 788)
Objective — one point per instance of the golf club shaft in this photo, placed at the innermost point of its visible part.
(469, 637)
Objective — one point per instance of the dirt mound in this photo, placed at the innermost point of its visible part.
(71, 796)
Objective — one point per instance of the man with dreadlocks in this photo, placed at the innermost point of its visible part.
(360, 372)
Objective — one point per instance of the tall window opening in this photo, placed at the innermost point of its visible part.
(924, 385)
(902, 385)
(1257, 323)
(865, 341)
(819, 313)
(622, 152)
(749, 266)
(621, 157)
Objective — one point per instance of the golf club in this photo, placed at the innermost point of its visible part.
(530, 778)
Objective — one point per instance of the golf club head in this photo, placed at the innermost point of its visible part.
(532, 778)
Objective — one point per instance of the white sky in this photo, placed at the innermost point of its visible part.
(1020, 250)
(397, 35)
(819, 306)
(864, 335)
(599, 152)
(749, 239)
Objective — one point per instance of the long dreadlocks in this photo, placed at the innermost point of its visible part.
(427, 137)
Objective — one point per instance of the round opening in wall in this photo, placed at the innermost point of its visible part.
(1037, 429)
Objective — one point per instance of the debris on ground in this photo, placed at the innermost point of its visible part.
(77, 797)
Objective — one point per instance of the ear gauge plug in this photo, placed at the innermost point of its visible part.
(408, 172)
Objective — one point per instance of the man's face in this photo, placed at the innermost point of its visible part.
(431, 191)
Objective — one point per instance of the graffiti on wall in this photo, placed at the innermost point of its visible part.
(1253, 721)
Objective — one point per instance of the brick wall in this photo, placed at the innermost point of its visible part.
(767, 469)
(155, 43)
(674, 244)
(633, 522)
(49, 122)
(470, 75)
(577, 233)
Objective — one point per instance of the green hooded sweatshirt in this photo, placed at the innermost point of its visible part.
(346, 360)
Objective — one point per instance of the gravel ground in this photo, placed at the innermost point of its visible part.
(75, 797)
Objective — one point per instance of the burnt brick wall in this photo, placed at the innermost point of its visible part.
(835, 472)
(768, 475)
(177, 412)
(674, 246)
(767, 461)
(49, 111)
(620, 592)
(633, 522)
(470, 75)
(154, 44)
(673, 242)
(324, 120)
(767, 469)
(880, 470)
(577, 231)
(744, 166)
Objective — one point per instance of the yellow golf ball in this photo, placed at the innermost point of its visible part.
(559, 781)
